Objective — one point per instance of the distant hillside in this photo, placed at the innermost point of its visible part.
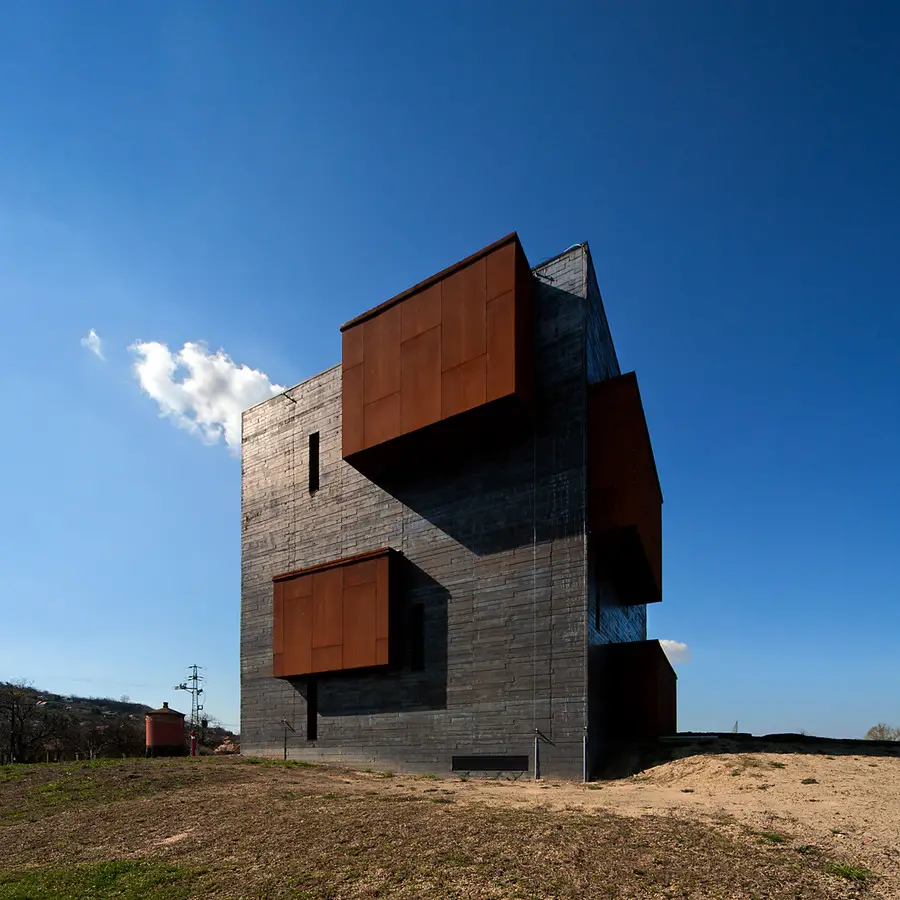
(40, 725)
(88, 708)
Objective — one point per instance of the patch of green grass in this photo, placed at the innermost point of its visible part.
(387, 774)
(773, 837)
(858, 874)
(805, 848)
(68, 789)
(777, 765)
(270, 762)
(101, 763)
(329, 796)
(122, 880)
(11, 773)
(11, 816)
(432, 776)
(809, 781)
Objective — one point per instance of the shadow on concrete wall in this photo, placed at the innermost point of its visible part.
(502, 475)
(501, 495)
(404, 688)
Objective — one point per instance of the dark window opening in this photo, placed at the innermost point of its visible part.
(312, 710)
(489, 763)
(314, 462)
(417, 638)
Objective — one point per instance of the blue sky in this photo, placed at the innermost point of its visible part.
(252, 175)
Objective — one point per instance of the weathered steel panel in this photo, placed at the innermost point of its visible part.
(463, 388)
(501, 271)
(420, 313)
(420, 391)
(353, 433)
(501, 346)
(463, 299)
(360, 621)
(337, 616)
(382, 418)
(297, 628)
(440, 349)
(381, 361)
(327, 623)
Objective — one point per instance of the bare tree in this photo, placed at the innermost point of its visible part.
(92, 738)
(883, 732)
(19, 713)
(124, 737)
(61, 736)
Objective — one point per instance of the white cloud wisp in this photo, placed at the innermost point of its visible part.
(676, 651)
(204, 393)
(93, 343)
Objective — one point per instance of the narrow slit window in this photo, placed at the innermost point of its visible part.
(312, 710)
(417, 638)
(314, 462)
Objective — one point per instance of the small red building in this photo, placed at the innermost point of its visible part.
(165, 732)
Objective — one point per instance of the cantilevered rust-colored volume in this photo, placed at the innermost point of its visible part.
(637, 685)
(456, 342)
(624, 496)
(333, 616)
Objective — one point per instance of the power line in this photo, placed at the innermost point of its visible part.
(192, 686)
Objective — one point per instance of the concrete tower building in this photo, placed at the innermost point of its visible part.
(449, 540)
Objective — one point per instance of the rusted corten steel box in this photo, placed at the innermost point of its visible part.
(334, 616)
(639, 687)
(624, 496)
(455, 343)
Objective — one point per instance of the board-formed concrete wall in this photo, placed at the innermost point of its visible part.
(496, 546)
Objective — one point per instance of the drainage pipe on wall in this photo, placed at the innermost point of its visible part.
(584, 755)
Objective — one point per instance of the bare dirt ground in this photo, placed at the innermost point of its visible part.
(845, 806)
(729, 825)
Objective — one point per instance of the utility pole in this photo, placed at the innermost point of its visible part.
(192, 686)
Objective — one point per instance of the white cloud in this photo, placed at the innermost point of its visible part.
(93, 343)
(201, 392)
(676, 651)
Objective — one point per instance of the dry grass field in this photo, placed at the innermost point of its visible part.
(736, 825)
